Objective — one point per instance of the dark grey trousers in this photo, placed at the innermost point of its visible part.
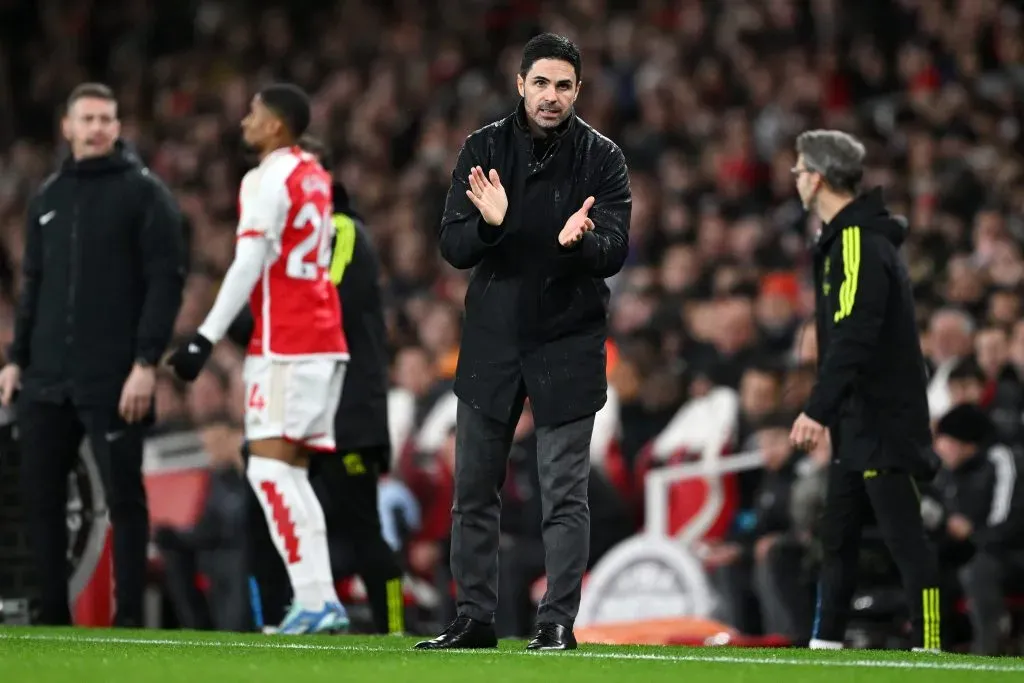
(984, 580)
(481, 457)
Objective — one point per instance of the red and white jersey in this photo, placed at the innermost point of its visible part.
(287, 200)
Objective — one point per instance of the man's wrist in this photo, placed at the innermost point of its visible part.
(144, 364)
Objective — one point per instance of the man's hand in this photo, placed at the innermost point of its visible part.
(577, 225)
(188, 360)
(487, 195)
(806, 433)
(10, 380)
(959, 527)
(137, 394)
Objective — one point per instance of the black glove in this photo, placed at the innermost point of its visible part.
(188, 359)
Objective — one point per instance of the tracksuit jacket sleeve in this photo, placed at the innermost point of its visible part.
(28, 299)
(162, 251)
(603, 251)
(856, 290)
(464, 235)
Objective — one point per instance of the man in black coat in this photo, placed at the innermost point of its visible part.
(871, 389)
(541, 228)
(103, 279)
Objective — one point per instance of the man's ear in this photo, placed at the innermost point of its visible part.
(521, 85)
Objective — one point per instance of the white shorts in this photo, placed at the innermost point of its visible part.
(292, 400)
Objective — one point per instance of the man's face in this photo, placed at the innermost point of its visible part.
(951, 451)
(260, 125)
(992, 349)
(759, 393)
(550, 88)
(91, 127)
(807, 182)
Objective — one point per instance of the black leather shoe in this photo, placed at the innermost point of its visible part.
(462, 634)
(552, 637)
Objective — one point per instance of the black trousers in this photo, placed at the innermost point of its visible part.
(894, 497)
(481, 459)
(985, 581)
(346, 486)
(50, 438)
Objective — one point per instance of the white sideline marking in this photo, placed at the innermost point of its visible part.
(927, 662)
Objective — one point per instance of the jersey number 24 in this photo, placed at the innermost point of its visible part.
(319, 239)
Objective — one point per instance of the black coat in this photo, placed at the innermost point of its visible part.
(871, 388)
(104, 270)
(536, 313)
(361, 421)
(985, 491)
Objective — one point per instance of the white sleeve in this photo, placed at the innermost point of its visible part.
(264, 201)
(1001, 458)
(250, 257)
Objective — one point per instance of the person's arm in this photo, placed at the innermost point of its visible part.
(28, 300)
(250, 256)
(603, 250)
(464, 236)
(162, 254)
(263, 212)
(264, 209)
(858, 283)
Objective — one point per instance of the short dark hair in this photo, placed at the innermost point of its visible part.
(317, 148)
(97, 91)
(837, 156)
(551, 46)
(290, 103)
(965, 369)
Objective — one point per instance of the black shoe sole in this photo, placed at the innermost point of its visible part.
(429, 646)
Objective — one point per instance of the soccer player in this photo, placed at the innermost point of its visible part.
(295, 364)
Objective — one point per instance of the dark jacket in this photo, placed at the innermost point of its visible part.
(770, 512)
(985, 491)
(536, 313)
(871, 373)
(361, 421)
(104, 270)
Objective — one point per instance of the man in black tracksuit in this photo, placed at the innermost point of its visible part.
(975, 509)
(870, 391)
(346, 481)
(103, 279)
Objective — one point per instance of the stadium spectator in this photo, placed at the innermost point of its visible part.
(975, 510)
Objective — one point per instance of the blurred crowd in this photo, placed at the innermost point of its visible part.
(705, 97)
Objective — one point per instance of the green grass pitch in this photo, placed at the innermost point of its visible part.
(82, 656)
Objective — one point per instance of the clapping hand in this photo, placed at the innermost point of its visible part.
(577, 225)
(488, 195)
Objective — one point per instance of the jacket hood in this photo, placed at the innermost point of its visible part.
(869, 213)
(121, 158)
